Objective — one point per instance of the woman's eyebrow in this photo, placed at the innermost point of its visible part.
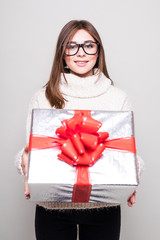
(84, 41)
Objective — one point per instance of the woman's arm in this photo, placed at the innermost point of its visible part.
(23, 156)
(18, 162)
(127, 106)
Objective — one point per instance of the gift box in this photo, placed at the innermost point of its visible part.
(82, 156)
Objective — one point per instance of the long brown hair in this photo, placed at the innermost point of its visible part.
(53, 93)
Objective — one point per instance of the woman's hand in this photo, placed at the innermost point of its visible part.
(24, 165)
(132, 199)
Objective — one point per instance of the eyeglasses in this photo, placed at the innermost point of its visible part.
(89, 48)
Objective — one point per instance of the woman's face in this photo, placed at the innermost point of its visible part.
(81, 63)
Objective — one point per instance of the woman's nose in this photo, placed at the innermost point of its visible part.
(81, 52)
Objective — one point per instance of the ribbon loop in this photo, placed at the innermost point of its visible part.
(102, 136)
(89, 140)
(78, 143)
(69, 150)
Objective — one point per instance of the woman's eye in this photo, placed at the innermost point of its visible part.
(90, 45)
(71, 46)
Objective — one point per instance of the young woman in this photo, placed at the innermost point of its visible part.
(79, 80)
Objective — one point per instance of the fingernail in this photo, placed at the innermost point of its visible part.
(27, 196)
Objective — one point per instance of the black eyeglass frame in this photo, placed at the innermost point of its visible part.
(81, 45)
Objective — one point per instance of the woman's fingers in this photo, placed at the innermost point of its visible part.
(26, 187)
(132, 199)
(24, 165)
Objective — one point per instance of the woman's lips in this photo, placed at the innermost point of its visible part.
(81, 63)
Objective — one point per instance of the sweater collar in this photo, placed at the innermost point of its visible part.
(87, 87)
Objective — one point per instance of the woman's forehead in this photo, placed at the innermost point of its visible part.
(81, 36)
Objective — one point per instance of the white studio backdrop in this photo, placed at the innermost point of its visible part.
(130, 33)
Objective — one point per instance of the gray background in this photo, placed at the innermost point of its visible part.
(131, 36)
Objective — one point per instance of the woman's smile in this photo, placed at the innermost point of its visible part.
(81, 63)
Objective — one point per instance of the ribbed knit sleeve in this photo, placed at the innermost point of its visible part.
(33, 104)
(127, 106)
(18, 159)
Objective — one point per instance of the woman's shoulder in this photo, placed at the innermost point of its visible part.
(40, 93)
(39, 98)
(118, 91)
(119, 98)
(112, 89)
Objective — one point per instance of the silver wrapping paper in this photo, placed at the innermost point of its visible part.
(113, 176)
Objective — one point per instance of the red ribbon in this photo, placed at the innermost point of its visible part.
(81, 145)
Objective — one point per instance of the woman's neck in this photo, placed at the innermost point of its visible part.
(83, 75)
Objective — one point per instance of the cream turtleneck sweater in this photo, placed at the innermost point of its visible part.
(91, 93)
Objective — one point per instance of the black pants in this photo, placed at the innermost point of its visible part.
(96, 224)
